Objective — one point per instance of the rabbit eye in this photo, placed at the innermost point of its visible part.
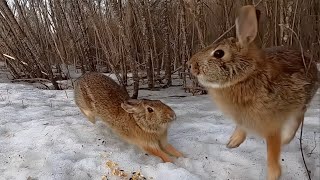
(150, 110)
(218, 53)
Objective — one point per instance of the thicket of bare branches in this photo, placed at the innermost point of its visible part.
(150, 39)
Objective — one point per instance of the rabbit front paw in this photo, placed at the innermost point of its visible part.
(274, 172)
(237, 138)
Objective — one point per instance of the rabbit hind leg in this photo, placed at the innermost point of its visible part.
(156, 151)
(169, 148)
(237, 138)
(89, 114)
(290, 128)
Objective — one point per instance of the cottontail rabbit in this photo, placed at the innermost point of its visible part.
(265, 91)
(140, 122)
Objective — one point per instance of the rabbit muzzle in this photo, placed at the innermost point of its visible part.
(172, 117)
(194, 66)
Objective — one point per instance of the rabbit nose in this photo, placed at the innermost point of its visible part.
(189, 63)
(195, 69)
(172, 116)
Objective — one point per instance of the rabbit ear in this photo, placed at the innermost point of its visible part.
(131, 105)
(247, 25)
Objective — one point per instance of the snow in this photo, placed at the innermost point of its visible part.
(44, 136)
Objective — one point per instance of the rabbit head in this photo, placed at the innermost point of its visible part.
(151, 115)
(231, 60)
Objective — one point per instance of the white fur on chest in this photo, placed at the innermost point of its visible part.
(207, 84)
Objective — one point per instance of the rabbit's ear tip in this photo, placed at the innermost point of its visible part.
(246, 25)
(244, 10)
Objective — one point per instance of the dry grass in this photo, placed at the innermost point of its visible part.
(152, 39)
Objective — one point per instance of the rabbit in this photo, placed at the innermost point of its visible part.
(265, 91)
(141, 122)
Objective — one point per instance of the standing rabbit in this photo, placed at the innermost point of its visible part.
(265, 91)
(140, 122)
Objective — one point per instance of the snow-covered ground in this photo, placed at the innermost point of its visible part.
(44, 136)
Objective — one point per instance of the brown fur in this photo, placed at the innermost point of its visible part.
(260, 89)
(99, 96)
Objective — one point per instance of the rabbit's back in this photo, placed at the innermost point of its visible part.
(99, 93)
(290, 72)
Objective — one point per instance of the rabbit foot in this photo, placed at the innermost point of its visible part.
(89, 115)
(159, 153)
(274, 150)
(173, 151)
(237, 138)
(274, 172)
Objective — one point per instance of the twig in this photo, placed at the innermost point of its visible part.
(33, 79)
(302, 154)
(66, 93)
(294, 19)
(208, 7)
(300, 45)
(315, 144)
(37, 80)
(224, 33)
(256, 4)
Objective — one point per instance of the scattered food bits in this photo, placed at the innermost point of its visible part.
(111, 164)
(138, 176)
(117, 172)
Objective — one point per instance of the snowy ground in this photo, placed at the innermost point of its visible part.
(44, 136)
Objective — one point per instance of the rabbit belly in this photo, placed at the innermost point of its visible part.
(254, 120)
(290, 127)
(262, 124)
